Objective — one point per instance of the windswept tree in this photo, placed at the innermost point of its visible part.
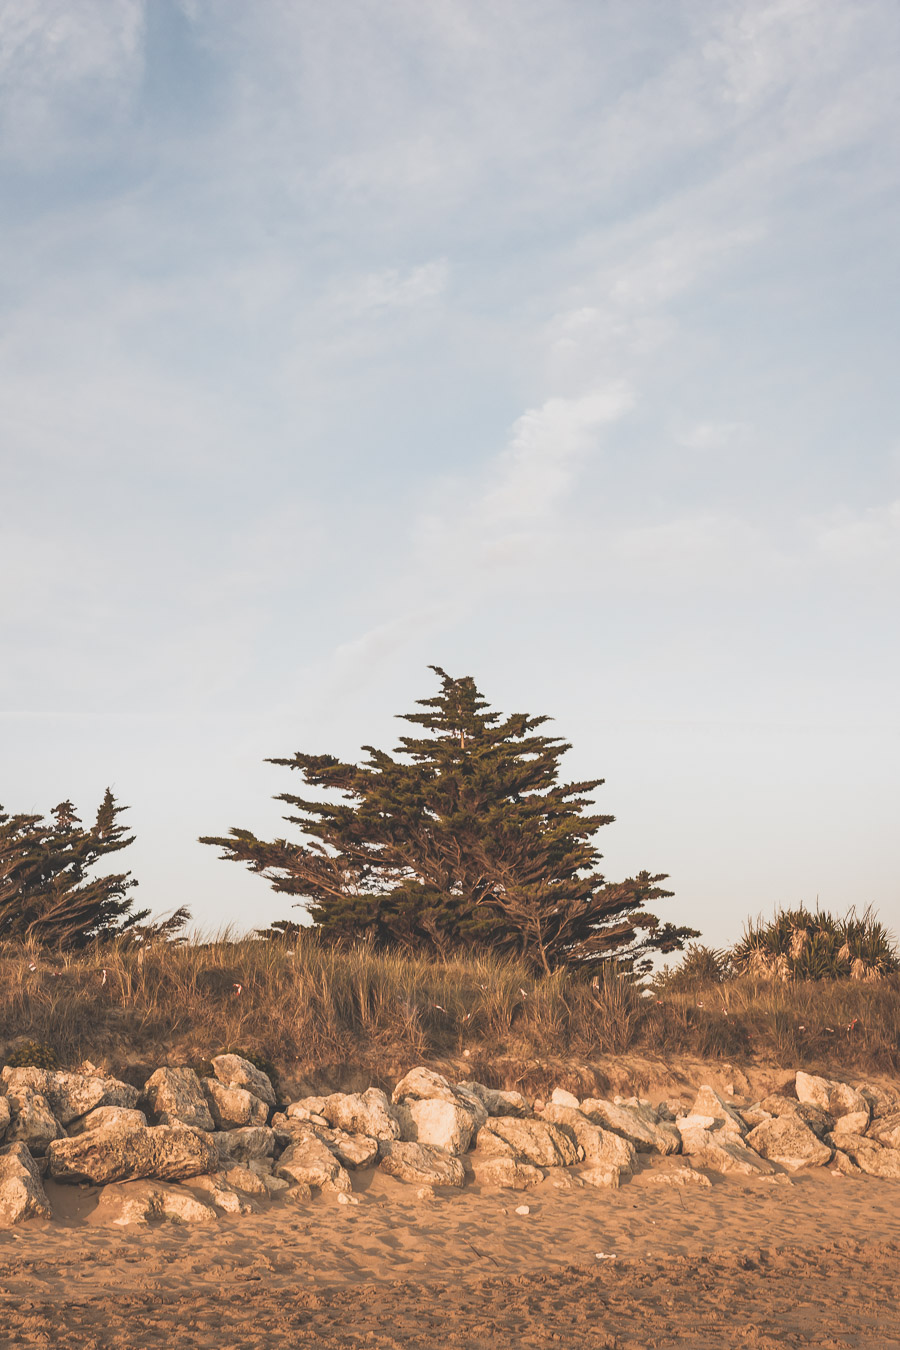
(463, 837)
(46, 894)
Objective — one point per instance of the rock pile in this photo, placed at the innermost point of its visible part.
(187, 1148)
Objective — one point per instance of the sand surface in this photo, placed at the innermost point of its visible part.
(757, 1263)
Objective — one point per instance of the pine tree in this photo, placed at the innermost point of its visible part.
(464, 837)
(45, 892)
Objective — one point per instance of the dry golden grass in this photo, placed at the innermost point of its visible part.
(311, 1005)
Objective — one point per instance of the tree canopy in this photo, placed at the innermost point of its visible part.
(463, 837)
(45, 891)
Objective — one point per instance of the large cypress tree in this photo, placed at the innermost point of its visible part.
(45, 891)
(464, 836)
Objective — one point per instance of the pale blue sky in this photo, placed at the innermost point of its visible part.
(552, 341)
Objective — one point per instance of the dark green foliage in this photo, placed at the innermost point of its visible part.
(33, 1055)
(46, 894)
(464, 837)
(799, 944)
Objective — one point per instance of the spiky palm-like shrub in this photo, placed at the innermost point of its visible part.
(802, 945)
(700, 966)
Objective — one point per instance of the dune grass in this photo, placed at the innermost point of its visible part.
(306, 1005)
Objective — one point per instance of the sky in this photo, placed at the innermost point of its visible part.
(553, 342)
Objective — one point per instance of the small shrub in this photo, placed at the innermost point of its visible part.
(797, 944)
(699, 966)
(33, 1055)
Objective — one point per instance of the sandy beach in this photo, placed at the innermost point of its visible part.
(811, 1262)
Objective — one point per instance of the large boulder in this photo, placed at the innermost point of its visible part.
(71, 1095)
(235, 1071)
(498, 1101)
(881, 1101)
(838, 1099)
(122, 1153)
(432, 1111)
(857, 1122)
(709, 1103)
(714, 1149)
(134, 1202)
(635, 1121)
(869, 1156)
(785, 1140)
(32, 1121)
(351, 1150)
(886, 1130)
(817, 1120)
(247, 1143)
(216, 1189)
(309, 1161)
(538, 1142)
(421, 1163)
(22, 1194)
(506, 1173)
(599, 1147)
(233, 1107)
(5, 1116)
(251, 1182)
(108, 1115)
(367, 1112)
(175, 1096)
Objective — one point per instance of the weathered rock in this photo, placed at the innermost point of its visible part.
(252, 1182)
(217, 1189)
(601, 1175)
(125, 1153)
(505, 1172)
(498, 1102)
(22, 1194)
(785, 1140)
(235, 1071)
(310, 1162)
(231, 1107)
(107, 1115)
(709, 1103)
(367, 1112)
(175, 1096)
(871, 1157)
(561, 1097)
(251, 1141)
(819, 1121)
(635, 1123)
(131, 1202)
(857, 1122)
(309, 1108)
(442, 1124)
(71, 1095)
(680, 1176)
(754, 1115)
(845, 1165)
(535, 1141)
(881, 1101)
(299, 1194)
(886, 1130)
(600, 1147)
(838, 1099)
(5, 1116)
(32, 1121)
(421, 1163)
(424, 1085)
(351, 1150)
(713, 1149)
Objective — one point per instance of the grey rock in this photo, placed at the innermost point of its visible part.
(215, 1188)
(717, 1151)
(709, 1103)
(599, 1147)
(235, 1071)
(107, 1115)
(308, 1161)
(122, 1153)
(506, 1173)
(351, 1150)
(838, 1099)
(137, 1202)
(601, 1175)
(422, 1084)
(246, 1143)
(881, 1101)
(819, 1121)
(886, 1130)
(785, 1140)
(22, 1194)
(5, 1116)
(499, 1102)
(176, 1096)
(32, 1121)
(869, 1156)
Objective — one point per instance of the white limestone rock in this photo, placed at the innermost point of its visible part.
(137, 1202)
(246, 1143)
(498, 1102)
(838, 1099)
(22, 1195)
(217, 1189)
(817, 1120)
(442, 1124)
(107, 1115)
(32, 1121)
(420, 1163)
(534, 1141)
(600, 1147)
(233, 1107)
(870, 1156)
(561, 1097)
(114, 1153)
(716, 1151)
(310, 1162)
(885, 1130)
(5, 1116)
(505, 1173)
(71, 1095)
(601, 1175)
(680, 1177)
(786, 1141)
(235, 1071)
(635, 1121)
(175, 1096)
(709, 1103)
